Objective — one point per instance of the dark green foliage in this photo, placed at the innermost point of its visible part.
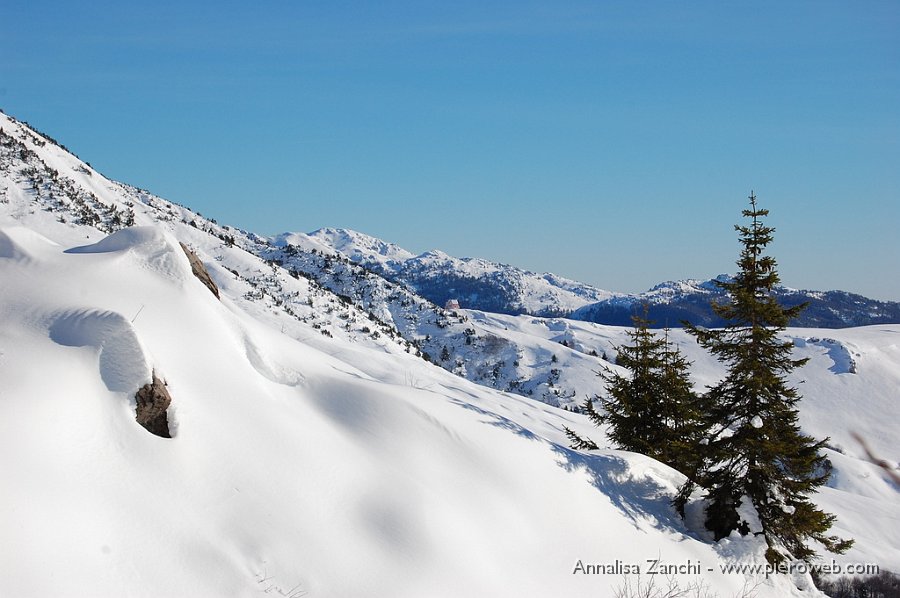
(756, 449)
(683, 420)
(653, 411)
(128, 217)
(585, 444)
(579, 443)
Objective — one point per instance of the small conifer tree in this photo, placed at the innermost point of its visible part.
(634, 405)
(756, 450)
(654, 410)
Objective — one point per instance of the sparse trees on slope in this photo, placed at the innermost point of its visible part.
(756, 450)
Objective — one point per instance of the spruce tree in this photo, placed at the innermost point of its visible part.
(653, 410)
(682, 413)
(756, 450)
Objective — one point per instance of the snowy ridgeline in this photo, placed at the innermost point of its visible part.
(313, 452)
(476, 283)
(483, 285)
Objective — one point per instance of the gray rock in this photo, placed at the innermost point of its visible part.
(152, 401)
(200, 271)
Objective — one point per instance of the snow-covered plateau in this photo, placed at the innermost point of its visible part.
(314, 451)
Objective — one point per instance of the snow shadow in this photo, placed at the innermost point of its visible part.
(9, 249)
(842, 361)
(358, 409)
(639, 497)
(269, 369)
(123, 366)
(497, 420)
(21, 244)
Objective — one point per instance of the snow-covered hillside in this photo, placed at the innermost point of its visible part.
(360, 248)
(476, 283)
(313, 452)
(295, 276)
(849, 387)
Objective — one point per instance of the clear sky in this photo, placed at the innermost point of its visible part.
(611, 142)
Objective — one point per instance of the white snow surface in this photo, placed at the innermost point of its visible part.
(356, 473)
(335, 465)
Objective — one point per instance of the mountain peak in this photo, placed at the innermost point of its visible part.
(476, 282)
(686, 286)
(360, 247)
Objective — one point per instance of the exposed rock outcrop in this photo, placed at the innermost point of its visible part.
(200, 271)
(152, 401)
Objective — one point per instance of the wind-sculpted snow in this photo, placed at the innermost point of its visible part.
(123, 365)
(21, 244)
(268, 368)
(9, 249)
(148, 245)
(843, 361)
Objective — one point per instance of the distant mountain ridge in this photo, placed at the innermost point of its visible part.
(483, 285)
(670, 303)
(476, 283)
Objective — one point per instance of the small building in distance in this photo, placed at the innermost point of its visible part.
(451, 304)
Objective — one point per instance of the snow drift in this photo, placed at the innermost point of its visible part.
(312, 452)
(291, 468)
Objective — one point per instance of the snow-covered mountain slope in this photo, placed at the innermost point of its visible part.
(299, 464)
(305, 468)
(360, 248)
(43, 185)
(296, 277)
(849, 387)
(313, 453)
(475, 283)
(670, 303)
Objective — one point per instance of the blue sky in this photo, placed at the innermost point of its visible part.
(611, 142)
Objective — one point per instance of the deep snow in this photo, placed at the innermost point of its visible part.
(340, 464)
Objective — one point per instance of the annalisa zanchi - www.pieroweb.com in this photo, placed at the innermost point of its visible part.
(659, 567)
